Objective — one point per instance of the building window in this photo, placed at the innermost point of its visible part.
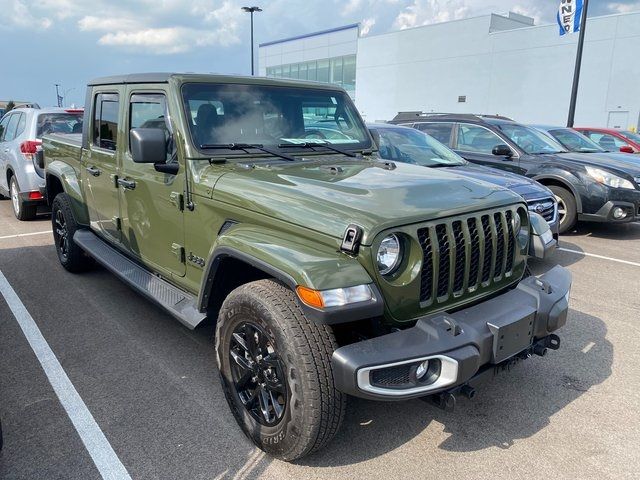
(337, 70)
(462, 99)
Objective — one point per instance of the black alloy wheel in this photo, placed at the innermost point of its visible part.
(61, 235)
(257, 373)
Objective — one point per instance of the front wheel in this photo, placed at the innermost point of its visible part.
(275, 368)
(567, 208)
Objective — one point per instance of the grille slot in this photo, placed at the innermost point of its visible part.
(443, 267)
(458, 235)
(426, 284)
(459, 256)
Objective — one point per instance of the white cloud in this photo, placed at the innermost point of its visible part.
(424, 12)
(366, 25)
(92, 23)
(17, 13)
(617, 7)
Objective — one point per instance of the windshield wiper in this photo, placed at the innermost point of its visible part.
(318, 144)
(245, 148)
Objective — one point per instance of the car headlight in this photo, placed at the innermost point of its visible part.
(389, 254)
(608, 178)
(521, 224)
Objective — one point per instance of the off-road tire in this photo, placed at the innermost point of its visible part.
(314, 409)
(20, 209)
(565, 197)
(74, 260)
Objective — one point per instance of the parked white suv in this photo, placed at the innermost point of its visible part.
(21, 178)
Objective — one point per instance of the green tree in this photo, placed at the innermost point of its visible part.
(10, 106)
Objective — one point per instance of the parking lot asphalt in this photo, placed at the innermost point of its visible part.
(152, 386)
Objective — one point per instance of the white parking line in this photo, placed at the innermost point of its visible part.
(25, 234)
(103, 456)
(626, 262)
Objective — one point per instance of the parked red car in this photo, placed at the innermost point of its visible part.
(613, 140)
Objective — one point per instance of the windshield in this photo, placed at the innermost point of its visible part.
(575, 142)
(412, 146)
(59, 123)
(530, 140)
(225, 114)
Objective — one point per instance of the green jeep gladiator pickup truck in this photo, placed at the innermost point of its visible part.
(262, 205)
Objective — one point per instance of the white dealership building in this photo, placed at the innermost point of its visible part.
(496, 64)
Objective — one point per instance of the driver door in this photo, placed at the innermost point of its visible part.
(151, 201)
(475, 143)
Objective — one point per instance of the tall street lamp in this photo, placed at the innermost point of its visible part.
(251, 10)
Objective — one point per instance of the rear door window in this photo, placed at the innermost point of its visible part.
(3, 126)
(439, 131)
(58, 123)
(105, 120)
(12, 127)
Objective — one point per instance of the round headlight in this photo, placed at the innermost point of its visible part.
(516, 223)
(389, 254)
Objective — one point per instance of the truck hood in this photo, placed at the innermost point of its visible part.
(327, 196)
(526, 187)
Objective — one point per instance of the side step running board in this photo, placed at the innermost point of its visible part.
(178, 303)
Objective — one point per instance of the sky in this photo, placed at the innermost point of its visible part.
(44, 42)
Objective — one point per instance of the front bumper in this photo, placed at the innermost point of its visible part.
(459, 344)
(630, 206)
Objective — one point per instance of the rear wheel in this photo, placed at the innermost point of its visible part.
(64, 225)
(20, 209)
(275, 368)
(567, 209)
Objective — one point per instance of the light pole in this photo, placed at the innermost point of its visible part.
(57, 95)
(251, 10)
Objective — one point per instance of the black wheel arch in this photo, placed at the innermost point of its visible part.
(54, 187)
(229, 268)
(562, 182)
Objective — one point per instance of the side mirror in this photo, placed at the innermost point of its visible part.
(148, 145)
(502, 150)
(626, 149)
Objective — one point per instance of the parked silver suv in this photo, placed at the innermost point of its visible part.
(21, 178)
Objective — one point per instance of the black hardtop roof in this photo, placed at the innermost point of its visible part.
(207, 77)
(418, 116)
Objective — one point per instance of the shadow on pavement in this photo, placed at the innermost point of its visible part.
(512, 406)
(620, 231)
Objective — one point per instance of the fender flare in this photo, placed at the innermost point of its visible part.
(68, 178)
(293, 262)
(565, 183)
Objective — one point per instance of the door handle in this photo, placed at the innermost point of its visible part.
(93, 171)
(128, 184)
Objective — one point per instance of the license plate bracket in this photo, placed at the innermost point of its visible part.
(511, 337)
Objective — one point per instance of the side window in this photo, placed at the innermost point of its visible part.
(105, 120)
(3, 126)
(12, 128)
(149, 110)
(606, 141)
(472, 138)
(439, 131)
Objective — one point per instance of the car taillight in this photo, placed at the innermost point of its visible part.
(29, 148)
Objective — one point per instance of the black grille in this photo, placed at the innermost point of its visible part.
(458, 235)
(510, 240)
(488, 248)
(391, 376)
(546, 208)
(474, 265)
(426, 284)
(443, 267)
(471, 249)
